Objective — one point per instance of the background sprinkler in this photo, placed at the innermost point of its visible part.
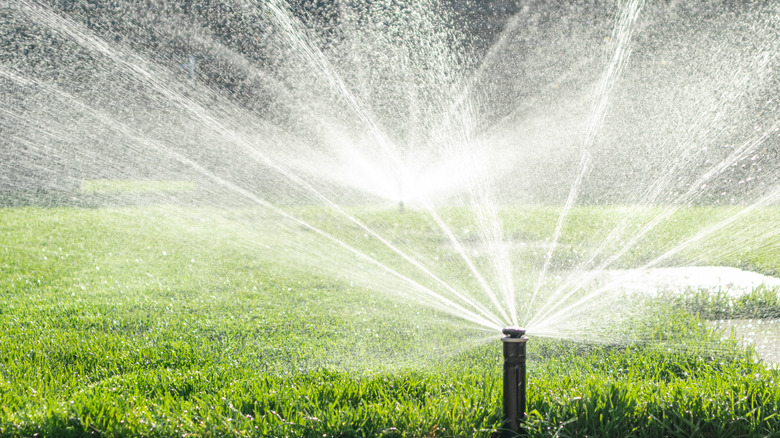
(514, 380)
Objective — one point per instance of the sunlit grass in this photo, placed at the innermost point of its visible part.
(762, 302)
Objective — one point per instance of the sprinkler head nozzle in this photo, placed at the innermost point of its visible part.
(514, 381)
(513, 332)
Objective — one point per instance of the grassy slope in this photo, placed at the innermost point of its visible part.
(116, 322)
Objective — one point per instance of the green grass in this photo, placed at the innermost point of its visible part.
(152, 321)
(762, 302)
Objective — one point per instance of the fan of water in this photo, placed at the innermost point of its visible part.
(499, 162)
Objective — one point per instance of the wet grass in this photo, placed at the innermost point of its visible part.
(142, 322)
(761, 303)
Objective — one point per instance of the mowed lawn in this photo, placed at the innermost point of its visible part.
(163, 321)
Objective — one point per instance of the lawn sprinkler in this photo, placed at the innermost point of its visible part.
(514, 380)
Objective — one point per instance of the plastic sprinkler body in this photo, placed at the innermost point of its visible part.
(514, 380)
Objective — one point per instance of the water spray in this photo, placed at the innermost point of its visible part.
(514, 380)
(190, 66)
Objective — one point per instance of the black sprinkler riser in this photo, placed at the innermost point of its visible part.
(514, 381)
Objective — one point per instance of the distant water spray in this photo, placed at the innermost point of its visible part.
(453, 145)
(315, 58)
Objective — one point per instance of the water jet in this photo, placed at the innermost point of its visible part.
(514, 380)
